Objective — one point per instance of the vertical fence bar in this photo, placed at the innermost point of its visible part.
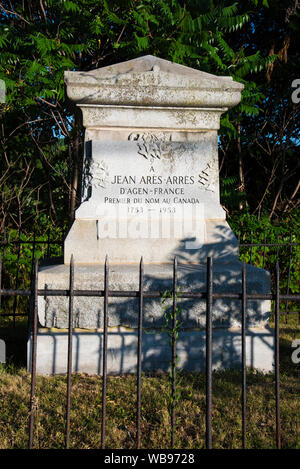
(288, 281)
(34, 297)
(139, 354)
(173, 345)
(277, 242)
(244, 304)
(104, 352)
(277, 254)
(70, 349)
(251, 250)
(48, 244)
(3, 262)
(32, 253)
(15, 303)
(5, 247)
(209, 301)
(277, 375)
(264, 256)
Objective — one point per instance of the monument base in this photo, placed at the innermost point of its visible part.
(123, 319)
(88, 310)
(216, 240)
(52, 350)
(2, 351)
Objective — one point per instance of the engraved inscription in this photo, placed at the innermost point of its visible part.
(100, 174)
(151, 146)
(96, 175)
(205, 178)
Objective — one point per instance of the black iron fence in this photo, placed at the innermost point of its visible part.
(267, 254)
(209, 296)
(17, 265)
(27, 288)
(17, 259)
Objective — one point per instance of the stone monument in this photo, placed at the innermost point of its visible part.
(150, 187)
(2, 351)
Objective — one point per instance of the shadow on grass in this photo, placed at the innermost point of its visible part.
(15, 339)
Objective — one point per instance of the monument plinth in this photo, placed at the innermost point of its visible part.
(150, 187)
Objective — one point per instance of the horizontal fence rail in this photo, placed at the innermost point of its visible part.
(288, 248)
(11, 252)
(209, 295)
(153, 294)
(13, 287)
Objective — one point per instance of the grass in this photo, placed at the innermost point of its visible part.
(86, 404)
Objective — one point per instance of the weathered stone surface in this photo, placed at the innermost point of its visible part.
(217, 240)
(156, 352)
(88, 311)
(151, 188)
(151, 80)
(150, 176)
(143, 118)
(2, 351)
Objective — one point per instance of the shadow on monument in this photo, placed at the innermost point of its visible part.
(156, 350)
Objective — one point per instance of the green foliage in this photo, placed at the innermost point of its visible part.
(49, 428)
(230, 196)
(39, 41)
(38, 44)
(19, 259)
(172, 324)
(254, 231)
(162, 27)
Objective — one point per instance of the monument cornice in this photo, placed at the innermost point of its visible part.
(172, 117)
(151, 81)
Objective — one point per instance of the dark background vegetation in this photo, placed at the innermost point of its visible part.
(41, 148)
(254, 41)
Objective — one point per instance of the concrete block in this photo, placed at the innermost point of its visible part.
(2, 351)
(52, 346)
(88, 311)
